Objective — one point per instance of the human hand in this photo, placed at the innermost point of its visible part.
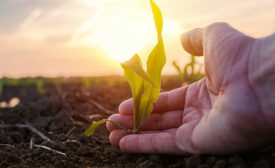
(222, 113)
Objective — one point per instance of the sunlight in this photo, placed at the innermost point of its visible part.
(121, 38)
(123, 34)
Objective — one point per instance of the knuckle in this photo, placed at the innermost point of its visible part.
(216, 26)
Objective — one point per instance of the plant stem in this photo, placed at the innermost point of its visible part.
(135, 131)
(120, 126)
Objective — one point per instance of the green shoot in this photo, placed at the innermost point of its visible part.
(95, 124)
(23, 82)
(145, 86)
(189, 74)
(177, 67)
(75, 122)
(40, 86)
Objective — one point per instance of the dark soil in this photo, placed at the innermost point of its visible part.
(50, 113)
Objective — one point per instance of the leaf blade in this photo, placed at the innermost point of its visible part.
(155, 64)
(136, 77)
(95, 124)
(145, 86)
(136, 66)
(157, 17)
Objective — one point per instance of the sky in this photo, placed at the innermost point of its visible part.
(91, 37)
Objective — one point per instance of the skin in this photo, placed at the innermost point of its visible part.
(232, 109)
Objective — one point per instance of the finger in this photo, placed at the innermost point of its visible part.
(167, 101)
(116, 135)
(196, 40)
(161, 142)
(156, 121)
(192, 42)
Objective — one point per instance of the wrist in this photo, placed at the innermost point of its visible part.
(261, 75)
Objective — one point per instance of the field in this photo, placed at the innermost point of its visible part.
(61, 109)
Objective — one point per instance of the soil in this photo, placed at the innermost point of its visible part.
(50, 114)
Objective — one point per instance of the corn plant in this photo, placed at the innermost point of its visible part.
(145, 85)
(38, 82)
(189, 74)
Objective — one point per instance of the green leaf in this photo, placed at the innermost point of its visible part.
(157, 17)
(175, 64)
(136, 84)
(75, 122)
(95, 124)
(135, 65)
(90, 131)
(145, 86)
(40, 87)
(144, 91)
(137, 77)
(155, 64)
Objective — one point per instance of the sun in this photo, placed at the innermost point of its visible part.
(121, 35)
(121, 38)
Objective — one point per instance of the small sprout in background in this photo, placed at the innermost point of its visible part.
(38, 82)
(40, 86)
(87, 82)
(58, 84)
(11, 82)
(175, 64)
(76, 122)
(189, 73)
(145, 86)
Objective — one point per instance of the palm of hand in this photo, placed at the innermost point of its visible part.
(217, 114)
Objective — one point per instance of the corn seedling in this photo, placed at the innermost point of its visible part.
(74, 122)
(189, 74)
(38, 82)
(145, 86)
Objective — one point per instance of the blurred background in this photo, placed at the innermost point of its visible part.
(91, 37)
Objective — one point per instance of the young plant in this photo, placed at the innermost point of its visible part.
(145, 86)
(189, 74)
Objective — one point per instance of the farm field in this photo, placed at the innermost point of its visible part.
(61, 109)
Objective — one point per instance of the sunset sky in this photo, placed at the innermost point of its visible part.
(90, 37)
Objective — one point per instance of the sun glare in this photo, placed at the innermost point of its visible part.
(121, 39)
(121, 35)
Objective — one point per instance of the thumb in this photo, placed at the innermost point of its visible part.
(196, 40)
(192, 42)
